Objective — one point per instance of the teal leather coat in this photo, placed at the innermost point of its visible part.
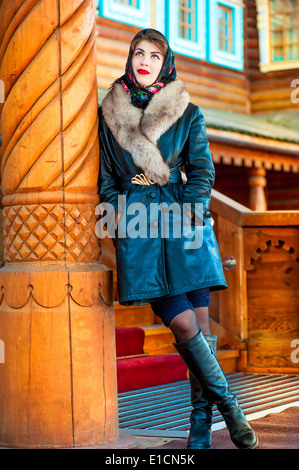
(154, 261)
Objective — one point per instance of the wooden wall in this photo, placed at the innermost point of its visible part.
(208, 84)
(221, 88)
(282, 191)
(271, 91)
(250, 91)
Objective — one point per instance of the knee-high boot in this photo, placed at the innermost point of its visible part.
(204, 367)
(200, 433)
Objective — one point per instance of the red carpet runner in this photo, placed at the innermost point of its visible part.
(136, 370)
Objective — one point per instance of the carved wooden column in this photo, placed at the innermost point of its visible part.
(58, 382)
(257, 183)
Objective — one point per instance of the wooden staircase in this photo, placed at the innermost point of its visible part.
(159, 339)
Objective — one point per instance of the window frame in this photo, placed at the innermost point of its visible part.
(263, 23)
(206, 19)
(284, 44)
(235, 58)
(185, 10)
(135, 16)
(230, 37)
(195, 49)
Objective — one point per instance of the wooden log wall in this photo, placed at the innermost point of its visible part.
(271, 91)
(208, 84)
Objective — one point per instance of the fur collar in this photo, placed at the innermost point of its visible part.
(137, 131)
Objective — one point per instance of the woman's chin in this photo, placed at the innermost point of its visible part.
(144, 80)
(144, 83)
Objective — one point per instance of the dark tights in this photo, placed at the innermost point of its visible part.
(185, 314)
(187, 324)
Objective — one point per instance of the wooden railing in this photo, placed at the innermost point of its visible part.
(259, 312)
(260, 252)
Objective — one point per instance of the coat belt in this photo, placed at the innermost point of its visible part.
(142, 180)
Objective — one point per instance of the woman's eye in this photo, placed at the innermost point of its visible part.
(155, 56)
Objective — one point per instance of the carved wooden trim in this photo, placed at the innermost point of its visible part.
(49, 154)
(50, 232)
(262, 243)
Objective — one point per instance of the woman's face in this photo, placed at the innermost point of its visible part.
(147, 62)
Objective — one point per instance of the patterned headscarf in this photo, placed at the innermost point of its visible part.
(140, 96)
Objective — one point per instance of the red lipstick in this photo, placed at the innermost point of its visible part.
(143, 72)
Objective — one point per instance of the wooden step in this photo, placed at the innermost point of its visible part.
(230, 360)
(159, 340)
(133, 315)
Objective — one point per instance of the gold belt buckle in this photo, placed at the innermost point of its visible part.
(142, 180)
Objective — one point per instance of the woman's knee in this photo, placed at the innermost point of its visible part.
(184, 325)
(203, 319)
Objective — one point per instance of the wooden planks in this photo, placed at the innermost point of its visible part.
(273, 296)
(269, 92)
(267, 244)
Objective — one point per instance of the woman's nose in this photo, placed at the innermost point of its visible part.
(144, 61)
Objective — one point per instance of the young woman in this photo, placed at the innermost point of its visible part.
(167, 254)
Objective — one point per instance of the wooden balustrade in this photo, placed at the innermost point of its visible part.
(261, 304)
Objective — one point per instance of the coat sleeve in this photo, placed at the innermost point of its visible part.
(107, 182)
(199, 166)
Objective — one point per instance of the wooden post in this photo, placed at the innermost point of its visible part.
(257, 183)
(58, 383)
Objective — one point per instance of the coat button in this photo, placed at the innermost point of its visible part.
(207, 214)
(153, 195)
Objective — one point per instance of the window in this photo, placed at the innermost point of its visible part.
(226, 33)
(278, 25)
(284, 26)
(187, 15)
(186, 27)
(208, 30)
(134, 12)
(225, 28)
(130, 3)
